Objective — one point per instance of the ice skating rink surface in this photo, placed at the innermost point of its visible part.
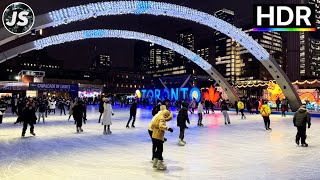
(242, 150)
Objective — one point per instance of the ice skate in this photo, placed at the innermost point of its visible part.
(133, 126)
(78, 130)
(304, 145)
(225, 123)
(180, 143)
(109, 132)
(32, 133)
(22, 135)
(155, 162)
(270, 129)
(127, 126)
(161, 166)
(229, 122)
(297, 142)
(201, 124)
(81, 130)
(183, 141)
(104, 132)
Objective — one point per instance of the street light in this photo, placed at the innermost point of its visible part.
(17, 78)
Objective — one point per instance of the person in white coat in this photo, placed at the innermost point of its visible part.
(52, 106)
(200, 112)
(106, 116)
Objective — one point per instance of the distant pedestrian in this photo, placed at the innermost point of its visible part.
(300, 120)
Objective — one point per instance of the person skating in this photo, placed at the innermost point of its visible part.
(256, 104)
(28, 116)
(207, 105)
(61, 106)
(300, 120)
(224, 110)
(42, 110)
(162, 108)
(101, 103)
(283, 111)
(159, 127)
(72, 104)
(278, 104)
(181, 122)
(200, 111)
(241, 109)
(106, 117)
(265, 113)
(79, 114)
(133, 113)
(52, 106)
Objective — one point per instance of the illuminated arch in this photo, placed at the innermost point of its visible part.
(106, 33)
(77, 13)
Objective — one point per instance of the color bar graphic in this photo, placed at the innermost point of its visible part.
(284, 29)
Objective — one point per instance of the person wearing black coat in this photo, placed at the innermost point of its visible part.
(224, 110)
(236, 107)
(61, 106)
(207, 106)
(28, 116)
(181, 122)
(101, 109)
(79, 114)
(300, 120)
(21, 106)
(133, 113)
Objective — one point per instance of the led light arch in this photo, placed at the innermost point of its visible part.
(106, 33)
(77, 13)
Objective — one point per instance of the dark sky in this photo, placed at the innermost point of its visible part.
(78, 54)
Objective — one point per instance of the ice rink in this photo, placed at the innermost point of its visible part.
(242, 150)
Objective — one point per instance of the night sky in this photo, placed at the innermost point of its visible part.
(77, 55)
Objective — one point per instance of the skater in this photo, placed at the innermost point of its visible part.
(106, 117)
(300, 120)
(241, 109)
(21, 106)
(28, 116)
(79, 114)
(52, 106)
(61, 106)
(159, 127)
(181, 122)
(101, 109)
(162, 108)
(278, 104)
(200, 111)
(224, 110)
(283, 111)
(249, 107)
(193, 106)
(256, 104)
(133, 113)
(42, 110)
(265, 113)
(236, 107)
(72, 104)
(207, 105)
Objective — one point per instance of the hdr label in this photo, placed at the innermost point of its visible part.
(285, 17)
(18, 18)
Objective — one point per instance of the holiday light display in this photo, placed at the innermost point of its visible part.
(212, 95)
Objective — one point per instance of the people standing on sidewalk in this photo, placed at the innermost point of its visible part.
(79, 114)
(224, 110)
(181, 122)
(106, 117)
(200, 112)
(241, 109)
(265, 113)
(133, 113)
(158, 130)
(300, 120)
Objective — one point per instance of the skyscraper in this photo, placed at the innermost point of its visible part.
(227, 60)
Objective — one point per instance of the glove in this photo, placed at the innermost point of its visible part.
(165, 139)
(170, 130)
(309, 126)
(112, 114)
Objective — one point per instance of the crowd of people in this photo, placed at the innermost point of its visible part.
(31, 110)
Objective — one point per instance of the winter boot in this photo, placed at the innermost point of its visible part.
(155, 162)
(161, 166)
(180, 143)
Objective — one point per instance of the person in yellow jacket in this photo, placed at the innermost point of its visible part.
(265, 113)
(159, 127)
(241, 109)
(150, 131)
